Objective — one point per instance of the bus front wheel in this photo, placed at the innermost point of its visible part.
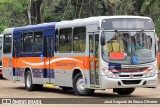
(78, 86)
(124, 91)
(29, 84)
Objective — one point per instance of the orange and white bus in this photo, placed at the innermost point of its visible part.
(106, 52)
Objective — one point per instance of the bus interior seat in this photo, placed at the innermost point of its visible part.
(76, 46)
(108, 46)
(116, 46)
(82, 46)
(122, 47)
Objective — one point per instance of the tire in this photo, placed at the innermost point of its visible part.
(67, 88)
(124, 91)
(29, 83)
(78, 86)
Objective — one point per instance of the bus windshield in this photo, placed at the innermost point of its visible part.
(129, 47)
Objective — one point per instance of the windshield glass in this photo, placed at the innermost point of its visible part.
(129, 47)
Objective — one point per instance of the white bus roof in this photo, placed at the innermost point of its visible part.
(8, 31)
(77, 22)
(91, 21)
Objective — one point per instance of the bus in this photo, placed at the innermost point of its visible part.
(1, 53)
(95, 53)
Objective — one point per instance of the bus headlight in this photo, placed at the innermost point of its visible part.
(108, 73)
(151, 73)
(111, 75)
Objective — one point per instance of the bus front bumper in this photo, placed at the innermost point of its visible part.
(110, 83)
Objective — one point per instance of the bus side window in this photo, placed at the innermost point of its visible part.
(56, 41)
(38, 41)
(28, 42)
(79, 41)
(65, 38)
(7, 43)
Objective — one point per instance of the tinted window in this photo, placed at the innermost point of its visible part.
(79, 39)
(56, 41)
(65, 40)
(28, 42)
(38, 41)
(7, 43)
(16, 47)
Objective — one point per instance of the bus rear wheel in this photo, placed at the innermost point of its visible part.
(78, 86)
(29, 84)
(124, 91)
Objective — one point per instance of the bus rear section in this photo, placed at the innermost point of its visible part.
(7, 68)
(1, 41)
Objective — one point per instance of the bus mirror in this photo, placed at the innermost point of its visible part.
(103, 39)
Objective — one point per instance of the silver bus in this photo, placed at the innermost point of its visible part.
(106, 52)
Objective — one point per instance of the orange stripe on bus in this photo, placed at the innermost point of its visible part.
(55, 62)
(6, 62)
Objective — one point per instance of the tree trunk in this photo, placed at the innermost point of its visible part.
(138, 6)
(34, 11)
(107, 7)
(29, 12)
(91, 7)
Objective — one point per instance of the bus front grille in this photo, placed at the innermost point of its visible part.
(127, 82)
(132, 69)
(134, 75)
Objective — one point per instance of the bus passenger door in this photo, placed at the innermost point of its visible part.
(16, 44)
(94, 59)
(49, 51)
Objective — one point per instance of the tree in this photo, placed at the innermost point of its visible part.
(13, 13)
(34, 11)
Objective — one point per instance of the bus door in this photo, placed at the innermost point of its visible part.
(94, 61)
(16, 44)
(49, 54)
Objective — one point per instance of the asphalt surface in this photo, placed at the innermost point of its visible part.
(9, 89)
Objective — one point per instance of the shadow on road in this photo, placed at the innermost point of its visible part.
(1, 78)
(71, 93)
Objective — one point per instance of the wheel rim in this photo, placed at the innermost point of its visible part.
(28, 80)
(80, 85)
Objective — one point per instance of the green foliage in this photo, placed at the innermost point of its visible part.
(2, 28)
(13, 13)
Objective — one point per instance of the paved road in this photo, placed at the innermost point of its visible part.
(9, 89)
